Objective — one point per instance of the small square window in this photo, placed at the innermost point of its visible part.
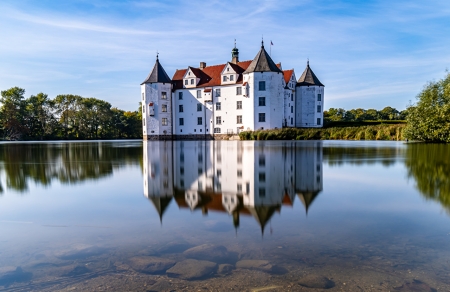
(262, 193)
(238, 90)
(199, 107)
(218, 120)
(186, 82)
(224, 79)
(180, 108)
(262, 85)
(218, 92)
(262, 176)
(239, 173)
(199, 121)
(319, 121)
(261, 117)
(262, 160)
(238, 119)
(180, 95)
(181, 121)
(231, 78)
(164, 121)
(164, 108)
(319, 108)
(163, 95)
(319, 97)
(218, 106)
(238, 104)
(192, 81)
(262, 101)
(217, 130)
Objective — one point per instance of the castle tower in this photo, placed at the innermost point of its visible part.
(235, 54)
(156, 104)
(309, 100)
(265, 93)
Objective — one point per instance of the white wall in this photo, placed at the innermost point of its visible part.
(306, 103)
(152, 94)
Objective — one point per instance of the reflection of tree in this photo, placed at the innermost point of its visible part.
(336, 156)
(429, 165)
(65, 162)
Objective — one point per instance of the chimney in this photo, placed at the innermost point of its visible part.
(202, 65)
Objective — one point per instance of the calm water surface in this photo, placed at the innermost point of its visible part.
(220, 216)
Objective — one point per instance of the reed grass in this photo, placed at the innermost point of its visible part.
(391, 132)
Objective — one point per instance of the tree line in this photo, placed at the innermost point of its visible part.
(360, 115)
(67, 116)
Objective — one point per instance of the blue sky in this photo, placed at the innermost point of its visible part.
(369, 54)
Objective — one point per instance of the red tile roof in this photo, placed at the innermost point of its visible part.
(287, 75)
(210, 75)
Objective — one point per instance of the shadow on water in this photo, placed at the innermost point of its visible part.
(16, 276)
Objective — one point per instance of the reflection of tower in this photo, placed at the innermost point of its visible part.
(308, 176)
(158, 174)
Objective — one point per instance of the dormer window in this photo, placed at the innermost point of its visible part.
(231, 77)
(192, 81)
(189, 73)
(224, 78)
(186, 82)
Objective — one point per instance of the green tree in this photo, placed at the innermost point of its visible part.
(40, 119)
(66, 108)
(429, 119)
(389, 113)
(13, 113)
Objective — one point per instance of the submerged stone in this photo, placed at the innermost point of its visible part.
(192, 269)
(208, 252)
(173, 247)
(416, 285)
(81, 253)
(150, 265)
(78, 270)
(225, 269)
(260, 265)
(316, 281)
(10, 275)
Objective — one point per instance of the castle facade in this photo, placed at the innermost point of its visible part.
(211, 102)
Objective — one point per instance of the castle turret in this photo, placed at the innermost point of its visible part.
(235, 54)
(309, 100)
(265, 93)
(156, 104)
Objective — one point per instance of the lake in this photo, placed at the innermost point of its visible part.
(224, 216)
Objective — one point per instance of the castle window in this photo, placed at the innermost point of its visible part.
(218, 92)
(200, 158)
(216, 130)
(142, 96)
(239, 159)
(180, 95)
(239, 173)
(262, 176)
(199, 107)
(319, 108)
(228, 69)
(262, 193)
(218, 106)
(182, 170)
(224, 79)
(192, 81)
(164, 121)
(319, 97)
(180, 108)
(292, 96)
(199, 94)
(218, 120)
(262, 85)
(186, 82)
(164, 108)
(292, 121)
(239, 188)
(238, 119)
(238, 90)
(231, 78)
(163, 95)
(181, 121)
(143, 121)
(261, 117)
(143, 108)
(238, 104)
(219, 173)
(262, 101)
(199, 121)
(318, 121)
(262, 160)
(292, 109)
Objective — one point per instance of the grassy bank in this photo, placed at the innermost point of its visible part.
(373, 132)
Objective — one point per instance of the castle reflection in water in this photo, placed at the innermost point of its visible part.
(239, 178)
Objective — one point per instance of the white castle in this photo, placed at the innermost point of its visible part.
(209, 102)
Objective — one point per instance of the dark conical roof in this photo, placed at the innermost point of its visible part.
(263, 214)
(308, 78)
(161, 204)
(158, 75)
(262, 63)
(307, 198)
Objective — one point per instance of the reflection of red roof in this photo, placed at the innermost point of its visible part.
(210, 75)
(287, 200)
(287, 75)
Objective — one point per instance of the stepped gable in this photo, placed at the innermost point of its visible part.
(157, 75)
(308, 78)
(287, 75)
(262, 63)
(210, 75)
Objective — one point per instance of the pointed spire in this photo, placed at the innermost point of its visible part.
(158, 74)
(262, 62)
(308, 77)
